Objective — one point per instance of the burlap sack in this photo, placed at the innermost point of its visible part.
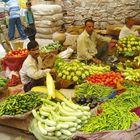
(48, 59)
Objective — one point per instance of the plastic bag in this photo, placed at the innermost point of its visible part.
(66, 54)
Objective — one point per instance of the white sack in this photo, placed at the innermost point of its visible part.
(44, 36)
(43, 9)
(47, 30)
(47, 23)
(66, 54)
(54, 17)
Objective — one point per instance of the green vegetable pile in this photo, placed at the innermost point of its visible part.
(131, 74)
(129, 99)
(87, 89)
(20, 103)
(52, 47)
(77, 71)
(3, 81)
(129, 46)
(116, 113)
(58, 121)
(112, 119)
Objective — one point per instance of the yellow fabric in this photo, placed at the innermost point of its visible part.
(23, 4)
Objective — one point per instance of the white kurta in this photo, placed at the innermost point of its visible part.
(86, 45)
(31, 69)
(125, 32)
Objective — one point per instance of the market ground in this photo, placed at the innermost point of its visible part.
(7, 133)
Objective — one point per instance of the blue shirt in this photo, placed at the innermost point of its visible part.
(13, 8)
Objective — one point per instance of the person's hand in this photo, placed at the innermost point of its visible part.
(96, 61)
(53, 73)
(113, 41)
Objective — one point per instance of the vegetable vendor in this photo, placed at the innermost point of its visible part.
(128, 28)
(31, 72)
(87, 49)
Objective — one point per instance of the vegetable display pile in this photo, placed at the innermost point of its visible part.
(3, 81)
(129, 99)
(107, 79)
(74, 70)
(77, 71)
(18, 53)
(52, 47)
(137, 60)
(131, 74)
(20, 103)
(116, 113)
(129, 46)
(58, 121)
(89, 89)
(91, 101)
(112, 119)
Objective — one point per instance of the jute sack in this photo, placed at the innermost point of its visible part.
(44, 36)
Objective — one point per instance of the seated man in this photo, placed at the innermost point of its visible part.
(127, 29)
(31, 72)
(87, 49)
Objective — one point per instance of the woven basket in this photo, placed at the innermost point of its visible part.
(17, 45)
(4, 92)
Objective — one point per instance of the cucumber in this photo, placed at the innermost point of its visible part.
(62, 125)
(50, 129)
(47, 108)
(42, 128)
(79, 121)
(36, 116)
(79, 126)
(71, 124)
(71, 105)
(48, 102)
(50, 134)
(73, 129)
(64, 137)
(50, 122)
(65, 107)
(84, 118)
(43, 113)
(66, 132)
(66, 113)
(68, 118)
(58, 133)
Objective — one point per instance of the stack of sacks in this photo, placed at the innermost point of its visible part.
(48, 19)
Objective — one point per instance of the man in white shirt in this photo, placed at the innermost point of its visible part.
(31, 72)
(87, 49)
(127, 29)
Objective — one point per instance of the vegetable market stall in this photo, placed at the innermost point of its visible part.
(89, 80)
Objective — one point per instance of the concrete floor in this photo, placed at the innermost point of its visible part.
(7, 133)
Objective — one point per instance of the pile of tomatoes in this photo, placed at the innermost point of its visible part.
(107, 79)
(18, 53)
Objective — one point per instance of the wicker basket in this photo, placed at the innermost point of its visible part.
(17, 44)
(4, 92)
